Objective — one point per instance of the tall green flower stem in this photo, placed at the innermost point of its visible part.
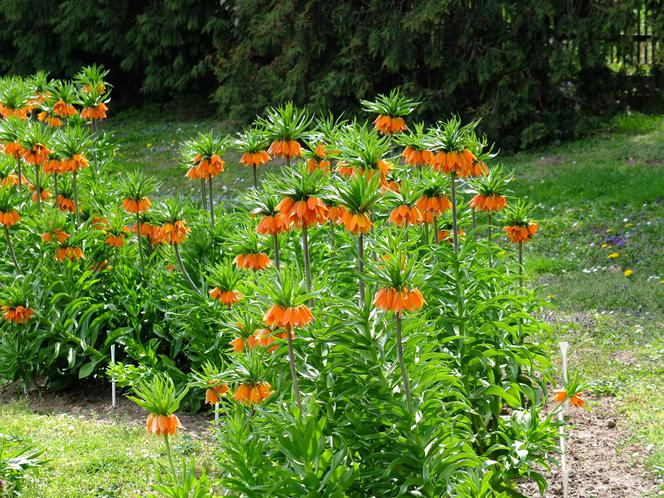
(20, 174)
(435, 229)
(402, 364)
(140, 242)
(75, 186)
(55, 190)
(275, 242)
(489, 237)
(360, 267)
(37, 186)
(521, 264)
(307, 264)
(168, 453)
(203, 194)
(454, 215)
(183, 269)
(331, 233)
(211, 203)
(474, 218)
(255, 177)
(10, 246)
(291, 360)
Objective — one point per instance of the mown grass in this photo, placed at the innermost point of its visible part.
(595, 197)
(88, 456)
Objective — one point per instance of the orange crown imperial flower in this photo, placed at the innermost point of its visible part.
(163, 424)
(63, 109)
(136, 206)
(488, 202)
(65, 204)
(517, 233)
(19, 314)
(44, 194)
(251, 394)
(446, 235)
(560, 395)
(37, 155)
(75, 163)
(60, 236)
(115, 240)
(255, 158)
(96, 112)
(288, 318)
(356, 223)
(304, 213)
(49, 120)
(390, 299)
(416, 157)
(213, 393)
(272, 225)
(253, 261)
(14, 149)
(285, 148)
(239, 343)
(70, 253)
(436, 205)
(402, 215)
(461, 163)
(225, 297)
(173, 233)
(9, 218)
(389, 125)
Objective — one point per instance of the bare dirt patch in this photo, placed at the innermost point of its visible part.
(600, 463)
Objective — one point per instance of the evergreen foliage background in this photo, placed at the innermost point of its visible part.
(534, 70)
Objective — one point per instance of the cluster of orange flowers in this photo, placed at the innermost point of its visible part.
(137, 206)
(389, 125)
(488, 203)
(406, 215)
(97, 112)
(250, 394)
(518, 233)
(225, 297)
(285, 148)
(560, 395)
(356, 222)
(253, 261)
(19, 314)
(213, 393)
(416, 157)
(463, 163)
(163, 424)
(70, 253)
(255, 158)
(206, 168)
(272, 225)
(303, 213)
(288, 318)
(10, 218)
(390, 299)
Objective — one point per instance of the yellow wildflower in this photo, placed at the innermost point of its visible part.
(628, 272)
(614, 255)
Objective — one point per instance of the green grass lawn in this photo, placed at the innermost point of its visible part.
(600, 202)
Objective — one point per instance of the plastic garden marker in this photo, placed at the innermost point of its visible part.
(561, 415)
(113, 394)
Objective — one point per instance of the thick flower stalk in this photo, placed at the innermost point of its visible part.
(397, 294)
(252, 144)
(289, 312)
(9, 216)
(135, 193)
(357, 197)
(519, 228)
(159, 397)
(203, 158)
